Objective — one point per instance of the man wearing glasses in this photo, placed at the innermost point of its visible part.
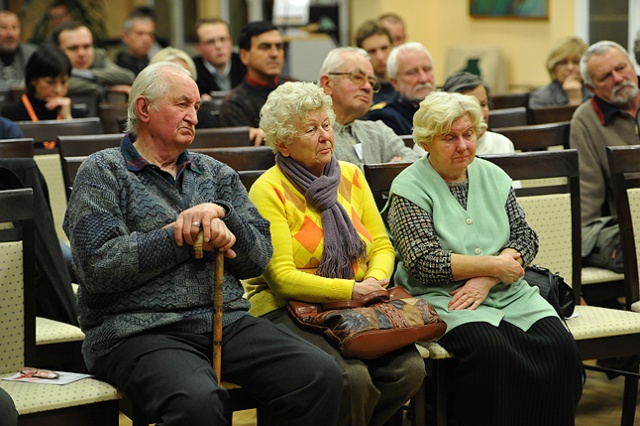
(410, 69)
(347, 76)
(218, 67)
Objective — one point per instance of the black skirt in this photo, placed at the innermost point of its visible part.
(505, 376)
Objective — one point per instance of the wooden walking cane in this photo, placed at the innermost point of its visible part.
(217, 303)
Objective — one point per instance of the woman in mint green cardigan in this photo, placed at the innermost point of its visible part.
(463, 241)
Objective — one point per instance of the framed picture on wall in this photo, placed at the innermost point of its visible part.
(525, 9)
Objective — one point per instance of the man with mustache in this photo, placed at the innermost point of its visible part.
(347, 76)
(410, 70)
(607, 119)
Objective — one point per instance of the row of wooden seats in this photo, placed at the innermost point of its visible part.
(521, 115)
(529, 137)
(512, 109)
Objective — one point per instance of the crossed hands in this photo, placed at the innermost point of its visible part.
(475, 290)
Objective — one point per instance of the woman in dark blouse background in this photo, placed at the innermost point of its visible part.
(47, 81)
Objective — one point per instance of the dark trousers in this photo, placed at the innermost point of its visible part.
(170, 378)
(373, 389)
(8, 413)
(504, 376)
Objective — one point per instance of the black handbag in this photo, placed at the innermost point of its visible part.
(553, 289)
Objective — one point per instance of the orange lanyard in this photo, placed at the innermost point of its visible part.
(27, 104)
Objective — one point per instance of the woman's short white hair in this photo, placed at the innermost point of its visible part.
(439, 110)
(287, 106)
(152, 83)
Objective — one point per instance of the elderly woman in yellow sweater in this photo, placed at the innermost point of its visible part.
(329, 244)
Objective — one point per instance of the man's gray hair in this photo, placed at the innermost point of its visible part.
(599, 48)
(411, 46)
(152, 83)
(334, 59)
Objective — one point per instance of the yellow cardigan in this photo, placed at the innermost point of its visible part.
(298, 241)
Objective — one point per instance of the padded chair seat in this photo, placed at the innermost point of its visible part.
(422, 349)
(591, 322)
(593, 275)
(49, 332)
(433, 350)
(594, 322)
(34, 397)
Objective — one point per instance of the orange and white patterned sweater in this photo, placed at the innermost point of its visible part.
(298, 241)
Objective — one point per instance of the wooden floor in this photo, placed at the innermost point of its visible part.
(600, 405)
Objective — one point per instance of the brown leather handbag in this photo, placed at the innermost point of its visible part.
(373, 325)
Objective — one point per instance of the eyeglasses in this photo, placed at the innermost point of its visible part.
(359, 79)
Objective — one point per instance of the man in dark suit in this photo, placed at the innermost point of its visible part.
(219, 69)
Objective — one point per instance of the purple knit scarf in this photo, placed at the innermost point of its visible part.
(342, 244)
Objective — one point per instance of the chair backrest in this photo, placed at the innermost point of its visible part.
(624, 164)
(248, 177)
(221, 136)
(76, 145)
(16, 148)
(74, 149)
(85, 105)
(49, 130)
(408, 141)
(17, 275)
(552, 209)
(379, 178)
(509, 100)
(113, 116)
(538, 137)
(242, 157)
(551, 114)
(508, 117)
(5, 96)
